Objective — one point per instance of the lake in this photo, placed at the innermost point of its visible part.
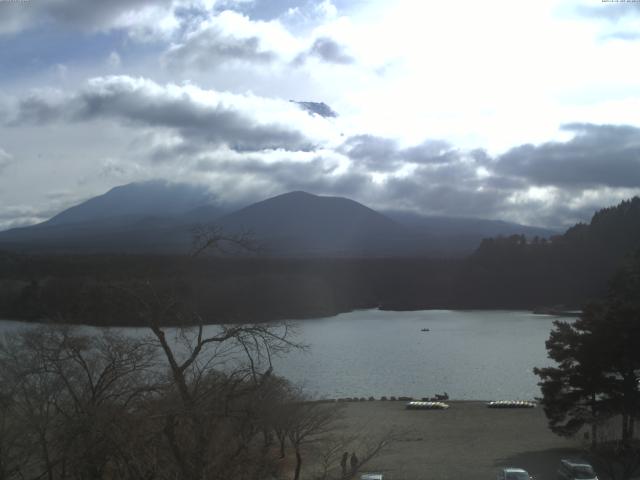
(478, 355)
(468, 354)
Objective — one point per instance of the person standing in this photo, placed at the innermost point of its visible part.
(343, 463)
(354, 463)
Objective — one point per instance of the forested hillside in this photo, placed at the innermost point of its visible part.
(505, 272)
(100, 289)
(567, 270)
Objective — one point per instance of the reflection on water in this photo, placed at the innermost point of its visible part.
(468, 354)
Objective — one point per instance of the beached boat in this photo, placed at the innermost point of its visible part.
(511, 404)
(426, 406)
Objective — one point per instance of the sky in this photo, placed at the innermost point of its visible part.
(520, 111)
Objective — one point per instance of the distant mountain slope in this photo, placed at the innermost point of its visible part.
(154, 198)
(146, 217)
(461, 236)
(293, 224)
(158, 217)
(447, 226)
(299, 223)
(122, 234)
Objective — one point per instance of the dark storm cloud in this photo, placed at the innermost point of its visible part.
(146, 104)
(384, 154)
(598, 156)
(173, 153)
(504, 183)
(208, 49)
(327, 50)
(376, 153)
(449, 181)
(36, 109)
(425, 193)
(480, 155)
(318, 108)
(330, 51)
(431, 151)
(80, 14)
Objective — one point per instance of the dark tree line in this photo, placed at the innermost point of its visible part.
(509, 272)
(86, 289)
(569, 269)
(595, 383)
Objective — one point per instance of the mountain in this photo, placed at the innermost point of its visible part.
(146, 217)
(158, 217)
(299, 223)
(457, 236)
(449, 226)
(153, 198)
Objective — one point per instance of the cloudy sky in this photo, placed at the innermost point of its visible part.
(523, 111)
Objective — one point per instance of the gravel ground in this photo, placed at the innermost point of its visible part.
(467, 441)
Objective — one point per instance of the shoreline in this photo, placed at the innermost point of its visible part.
(404, 400)
(536, 311)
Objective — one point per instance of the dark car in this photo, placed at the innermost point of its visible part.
(576, 470)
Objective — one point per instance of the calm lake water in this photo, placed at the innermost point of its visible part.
(468, 354)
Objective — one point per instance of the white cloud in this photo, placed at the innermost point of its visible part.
(144, 20)
(86, 15)
(208, 117)
(491, 75)
(230, 37)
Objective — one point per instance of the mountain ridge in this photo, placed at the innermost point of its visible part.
(158, 217)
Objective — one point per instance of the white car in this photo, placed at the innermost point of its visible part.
(576, 470)
(512, 473)
(371, 476)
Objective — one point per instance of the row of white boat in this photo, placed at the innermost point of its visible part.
(494, 404)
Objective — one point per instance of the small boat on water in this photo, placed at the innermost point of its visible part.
(424, 330)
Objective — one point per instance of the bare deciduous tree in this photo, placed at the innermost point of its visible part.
(72, 394)
(187, 402)
(309, 422)
(212, 239)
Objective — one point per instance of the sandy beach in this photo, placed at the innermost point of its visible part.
(468, 440)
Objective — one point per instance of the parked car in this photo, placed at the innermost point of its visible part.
(576, 470)
(372, 476)
(512, 473)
